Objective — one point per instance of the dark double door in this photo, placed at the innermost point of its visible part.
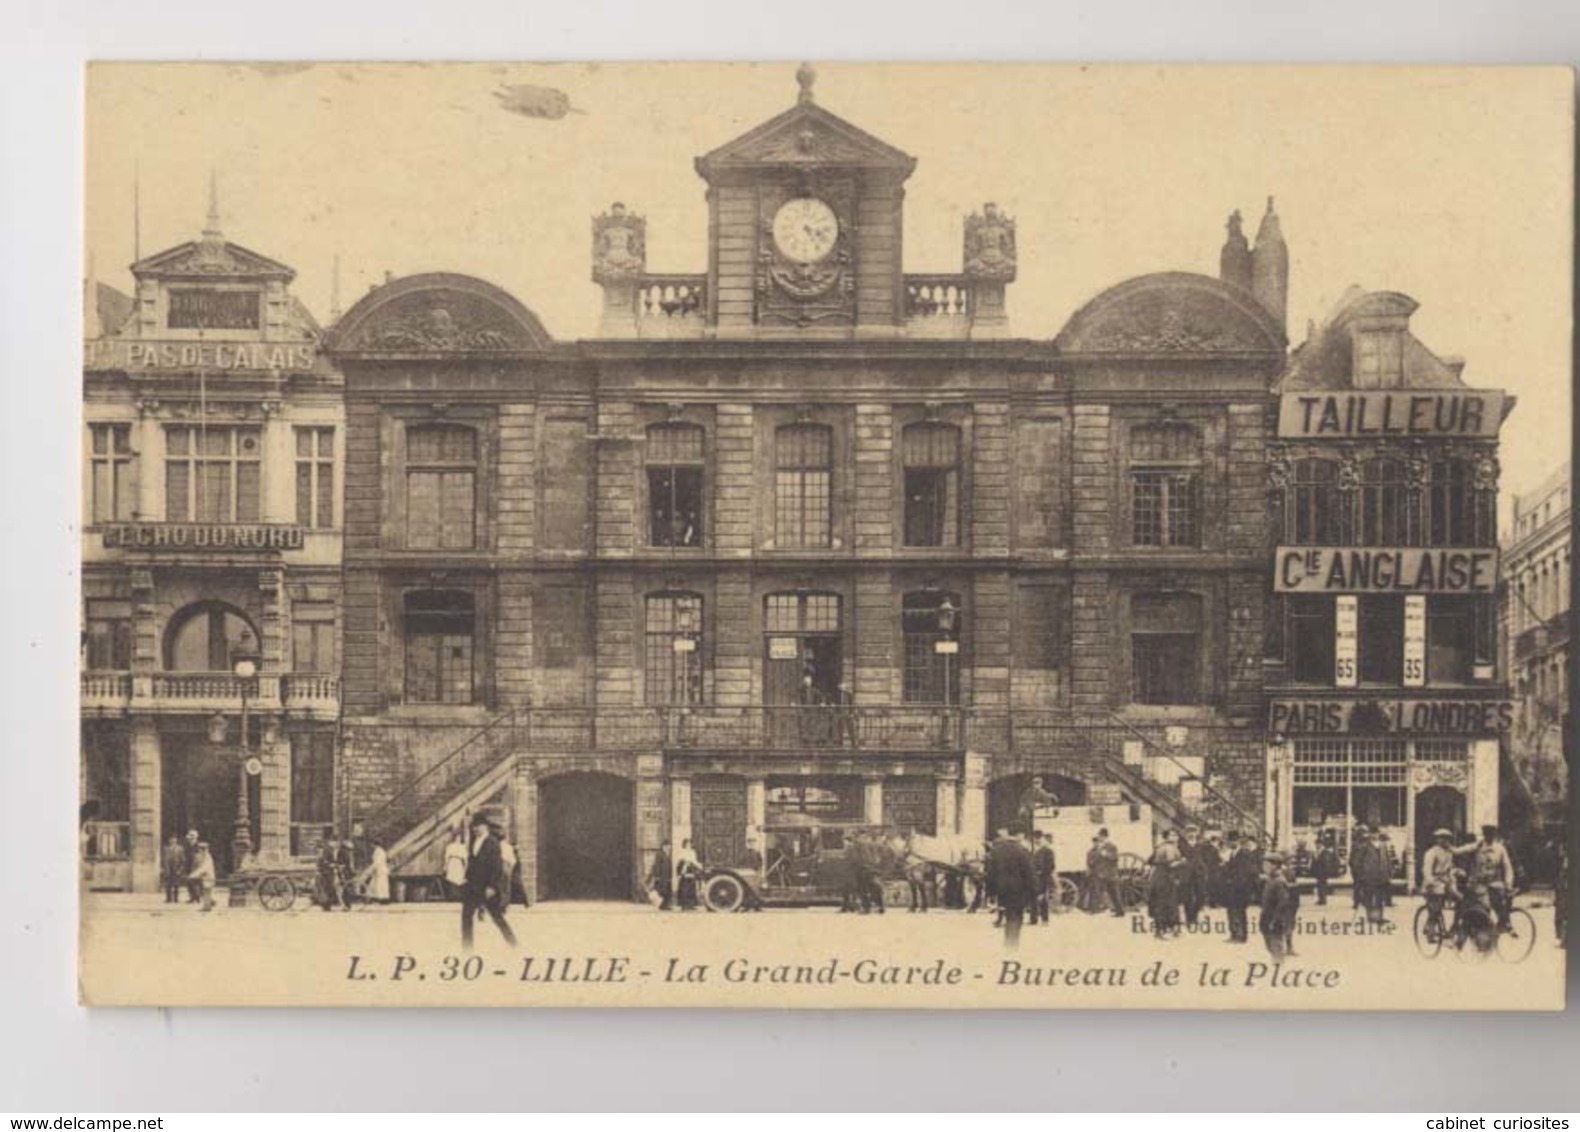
(585, 832)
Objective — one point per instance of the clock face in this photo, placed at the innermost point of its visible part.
(805, 229)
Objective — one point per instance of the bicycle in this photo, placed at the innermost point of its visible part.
(1474, 924)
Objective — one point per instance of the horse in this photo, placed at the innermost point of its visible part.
(922, 856)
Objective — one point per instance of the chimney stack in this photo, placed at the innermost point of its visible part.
(1270, 267)
(1234, 262)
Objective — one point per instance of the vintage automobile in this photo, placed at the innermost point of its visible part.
(805, 866)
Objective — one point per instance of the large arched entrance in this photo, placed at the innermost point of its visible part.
(584, 840)
(1004, 795)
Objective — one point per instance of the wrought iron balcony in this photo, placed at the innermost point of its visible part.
(196, 692)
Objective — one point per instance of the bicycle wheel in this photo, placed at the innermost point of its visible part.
(1428, 936)
(1515, 945)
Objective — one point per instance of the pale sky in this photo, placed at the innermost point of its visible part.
(1451, 185)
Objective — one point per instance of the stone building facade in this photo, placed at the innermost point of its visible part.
(1386, 698)
(1537, 626)
(211, 565)
(803, 542)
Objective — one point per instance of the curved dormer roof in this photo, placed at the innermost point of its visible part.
(438, 312)
(1174, 314)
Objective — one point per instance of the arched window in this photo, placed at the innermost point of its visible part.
(440, 632)
(209, 636)
(1165, 485)
(931, 621)
(931, 457)
(803, 485)
(1314, 512)
(1388, 515)
(441, 487)
(673, 650)
(674, 485)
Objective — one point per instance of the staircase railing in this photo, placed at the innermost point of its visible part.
(1243, 817)
(463, 766)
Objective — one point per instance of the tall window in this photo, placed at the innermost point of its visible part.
(931, 622)
(1360, 779)
(1451, 504)
(213, 474)
(312, 789)
(931, 456)
(1379, 358)
(441, 626)
(315, 476)
(674, 485)
(803, 485)
(109, 643)
(1314, 516)
(1388, 515)
(1450, 639)
(111, 484)
(1311, 639)
(313, 637)
(1165, 485)
(1380, 639)
(1165, 648)
(441, 487)
(674, 649)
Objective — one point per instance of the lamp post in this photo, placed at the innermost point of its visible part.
(246, 670)
(947, 646)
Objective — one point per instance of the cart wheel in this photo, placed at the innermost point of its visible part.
(723, 893)
(1065, 895)
(1130, 863)
(1133, 890)
(276, 893)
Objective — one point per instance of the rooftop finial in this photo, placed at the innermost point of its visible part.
(805, 77)
(211, 227)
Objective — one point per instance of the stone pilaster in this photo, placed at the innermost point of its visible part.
(973, 796)
(990, 492)
(146, 804)
(735, 646)
(948, 795)
(524, 819)
(734, 508)
(872, 801)
(274, 797)
(1092, 479)
(874, 480)
(877, 658)
(279, 467)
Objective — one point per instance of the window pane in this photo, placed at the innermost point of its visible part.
(177, 488)
(312, 778)
(125, 490)
(930, 446)
(1146, 504)
(456, 510)
(326, 497)
(1381, 639)
(674, 444)
(304, 494)
(249, 490)
(422, 509)
(178, 441)
(1165, 668)
(1450, 640)
(103, 491)
(1312, 639)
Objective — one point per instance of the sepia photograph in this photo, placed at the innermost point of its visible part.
(825, 535)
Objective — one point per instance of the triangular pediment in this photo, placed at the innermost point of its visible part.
(805, 135)
(210, 258)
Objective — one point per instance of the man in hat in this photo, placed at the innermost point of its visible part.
(1277, 918)
(1032, 799)
(1102, 872)
(1042, 859)
(485, 881)
(1239, 884)
(1370, 869)
(1193, 876)
(1492, 867)
(1325, 865)
(1437, 879)
(1014, 879)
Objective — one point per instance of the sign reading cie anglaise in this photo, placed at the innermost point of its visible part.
(1385, 569)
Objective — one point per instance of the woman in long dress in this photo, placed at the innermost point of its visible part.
(379, 876)
(1163, 894)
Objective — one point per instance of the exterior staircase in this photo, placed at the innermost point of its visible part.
(1215, 808)
(423, 811)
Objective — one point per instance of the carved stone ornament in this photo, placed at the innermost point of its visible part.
(433, 327)
(1280, 473)
(1417, 470)
(990, 245)
(1423, 775)
(808, 280)
(619, 245)
(1349, 478)
(1485, 475)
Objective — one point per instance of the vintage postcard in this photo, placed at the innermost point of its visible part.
(826, 536)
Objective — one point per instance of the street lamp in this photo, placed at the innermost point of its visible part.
(246, 669)
(947, 646)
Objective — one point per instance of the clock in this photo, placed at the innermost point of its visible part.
(805, 229)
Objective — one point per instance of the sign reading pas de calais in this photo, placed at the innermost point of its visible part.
(295, 357)
(1424, 413)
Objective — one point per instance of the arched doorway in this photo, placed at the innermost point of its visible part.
(1004, 795)
(1437, 807)
(584, 839)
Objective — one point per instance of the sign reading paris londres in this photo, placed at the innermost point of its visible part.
(1425, 413)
